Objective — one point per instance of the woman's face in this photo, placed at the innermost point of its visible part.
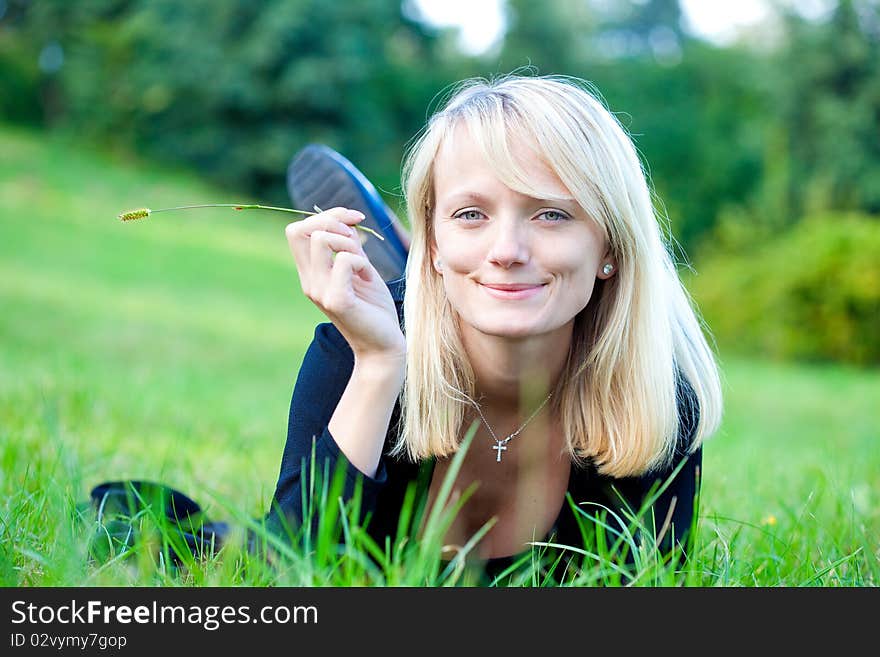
(547, 253)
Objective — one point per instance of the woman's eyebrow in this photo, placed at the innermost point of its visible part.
(466, 196)
(477, 197)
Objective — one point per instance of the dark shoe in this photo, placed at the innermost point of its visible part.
(124, 508)
(318, 175)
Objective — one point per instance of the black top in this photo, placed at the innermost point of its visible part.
(323, 376)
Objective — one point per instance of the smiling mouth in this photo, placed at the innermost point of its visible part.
(512, 291)
(512, 287)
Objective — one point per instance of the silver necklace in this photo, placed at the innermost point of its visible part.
(501, 444)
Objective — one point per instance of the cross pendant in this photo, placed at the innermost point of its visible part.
(499, 447)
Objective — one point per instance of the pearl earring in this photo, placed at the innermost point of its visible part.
(608, 268)
(438, 263)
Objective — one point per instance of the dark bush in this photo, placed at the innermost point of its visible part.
(20, 76)
(812, 293)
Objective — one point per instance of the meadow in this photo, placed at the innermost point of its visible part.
(167, 350)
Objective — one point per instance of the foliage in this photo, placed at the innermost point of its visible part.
(700, 127)
(829, 116)
(20, 100)
(812, 292)
(233, 89)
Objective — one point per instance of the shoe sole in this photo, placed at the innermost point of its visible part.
(319, 176)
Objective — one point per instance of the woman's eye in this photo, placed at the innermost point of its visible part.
(470, 215)
(554, 215)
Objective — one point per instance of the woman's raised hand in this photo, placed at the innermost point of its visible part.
(336, 276)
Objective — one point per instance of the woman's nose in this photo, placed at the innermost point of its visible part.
(509, 243)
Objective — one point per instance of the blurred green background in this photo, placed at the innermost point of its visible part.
(168, 349)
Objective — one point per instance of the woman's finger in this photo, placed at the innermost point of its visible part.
(299, 234)
(323, 221)
(339, 291)
(323, 245)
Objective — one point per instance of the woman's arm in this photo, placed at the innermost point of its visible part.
(360, 422)
(352, 373)
(342, 411)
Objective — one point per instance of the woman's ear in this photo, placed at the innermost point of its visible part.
(435, 259)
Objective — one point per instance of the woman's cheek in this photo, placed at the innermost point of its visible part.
(462, 260)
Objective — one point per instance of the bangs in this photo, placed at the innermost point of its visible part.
(504, 138)
(509, 133)
(508, 144)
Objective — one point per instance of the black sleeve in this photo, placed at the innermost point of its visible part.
(673, 489)
(672, 513)
(323, 377)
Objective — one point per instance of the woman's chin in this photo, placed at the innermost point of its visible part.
(510, 330)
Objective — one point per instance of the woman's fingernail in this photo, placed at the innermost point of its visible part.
(355, 214)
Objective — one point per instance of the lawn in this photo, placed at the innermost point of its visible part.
(167, 348)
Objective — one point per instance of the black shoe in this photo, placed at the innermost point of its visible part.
(121, 505)
(319, 176)
(125, 512)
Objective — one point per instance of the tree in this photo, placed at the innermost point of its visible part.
(829, 89)
(234, 88)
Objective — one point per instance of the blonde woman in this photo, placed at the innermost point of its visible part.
(540, 302)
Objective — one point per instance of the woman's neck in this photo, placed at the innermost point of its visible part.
(513, 372)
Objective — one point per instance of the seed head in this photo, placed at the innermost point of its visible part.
(131, 215)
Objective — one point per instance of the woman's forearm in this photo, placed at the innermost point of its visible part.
(360, 422)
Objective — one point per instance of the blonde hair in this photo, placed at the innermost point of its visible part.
(619, 394)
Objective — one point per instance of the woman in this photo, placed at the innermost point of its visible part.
(540, 301)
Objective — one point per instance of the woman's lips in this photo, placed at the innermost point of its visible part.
(511, 291)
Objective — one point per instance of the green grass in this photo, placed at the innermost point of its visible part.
(167, 349)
